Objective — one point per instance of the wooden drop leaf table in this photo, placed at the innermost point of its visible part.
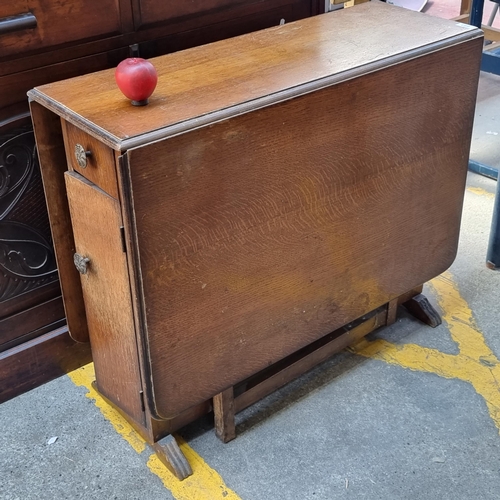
(275, 201)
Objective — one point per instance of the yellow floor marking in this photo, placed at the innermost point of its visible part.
(475, 363)
(204, 484)
(84, 376)
(481, 192)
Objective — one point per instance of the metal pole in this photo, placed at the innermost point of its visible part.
(476, 13)
(493, 255)
(493, 14)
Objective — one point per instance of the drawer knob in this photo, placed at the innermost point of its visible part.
(81, 263)
(81, 155)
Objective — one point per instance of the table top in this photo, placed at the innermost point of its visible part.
(215, 81)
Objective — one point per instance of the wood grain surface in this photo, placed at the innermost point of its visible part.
(96, 222)
(222, 75)
(150, 12)
(40, 360)
(73, 37)
(69, 21)
(52, 156)
(279, 186)
(100, 168)
(260, 234)
(32, 319)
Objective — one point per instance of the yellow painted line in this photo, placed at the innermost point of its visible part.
(84, 377)
(204, 484)
(458, 315)
(480, 192)
(476, 363)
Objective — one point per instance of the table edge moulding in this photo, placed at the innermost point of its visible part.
(97, 92)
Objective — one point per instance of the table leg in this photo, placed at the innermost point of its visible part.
(225, 428)
(420, 307)
(171, 456)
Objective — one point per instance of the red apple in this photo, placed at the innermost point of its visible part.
(137, 79)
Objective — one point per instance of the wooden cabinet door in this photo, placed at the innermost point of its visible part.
(96, 220)
(37, 24)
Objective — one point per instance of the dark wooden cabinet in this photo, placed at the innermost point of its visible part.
(38, 25)
(43, 41)
(222, 234)
(149, 13)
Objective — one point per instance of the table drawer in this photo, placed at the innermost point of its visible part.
(90, 158)
(36, 24)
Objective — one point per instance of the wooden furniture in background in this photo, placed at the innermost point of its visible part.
(47, 40)
(280, 186)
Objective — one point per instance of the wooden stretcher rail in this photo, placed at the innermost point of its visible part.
(237, 398)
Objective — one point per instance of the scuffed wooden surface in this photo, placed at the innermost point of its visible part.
(217, 76)
(260, 234)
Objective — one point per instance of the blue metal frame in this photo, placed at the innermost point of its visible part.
(476, 13)
(481, 169)
(491, 61)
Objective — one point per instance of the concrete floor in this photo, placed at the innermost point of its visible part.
(413, 413)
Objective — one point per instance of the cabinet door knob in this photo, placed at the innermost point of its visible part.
(81, 263)
(81, 155)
